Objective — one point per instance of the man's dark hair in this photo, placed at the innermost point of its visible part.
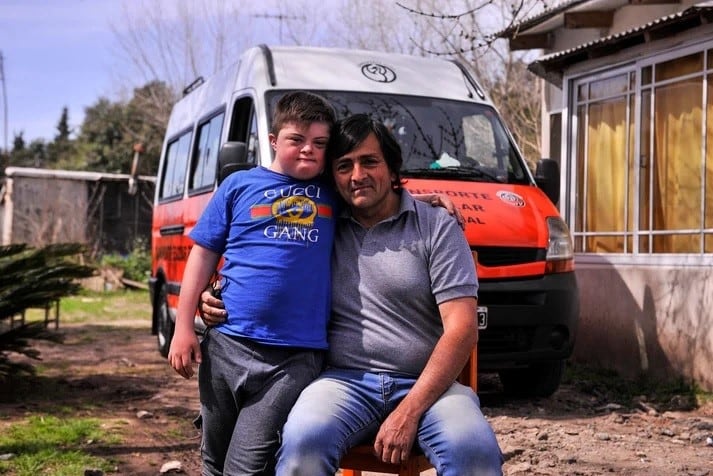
(351, 131)
(302, 107)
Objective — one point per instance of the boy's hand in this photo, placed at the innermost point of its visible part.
(439, 200)
(211, 308)
(185, 350)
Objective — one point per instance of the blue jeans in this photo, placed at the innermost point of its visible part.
(247, 390)
(343, 408)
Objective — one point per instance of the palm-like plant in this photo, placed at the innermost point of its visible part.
(31, 277)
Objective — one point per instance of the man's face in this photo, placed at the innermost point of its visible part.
(364, 180)
(299, 149)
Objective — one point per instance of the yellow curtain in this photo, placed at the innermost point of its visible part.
(676, 194)
(708, 246)
(606, 174)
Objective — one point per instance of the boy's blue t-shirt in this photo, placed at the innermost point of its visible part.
(275, 233)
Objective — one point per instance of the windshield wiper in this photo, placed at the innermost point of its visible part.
(453, 172)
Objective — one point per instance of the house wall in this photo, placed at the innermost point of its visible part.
(650, 316)
(647, 320)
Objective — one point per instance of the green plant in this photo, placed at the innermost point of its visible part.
(608, 385)
(33, 278)
(136, 265)
(45, 444)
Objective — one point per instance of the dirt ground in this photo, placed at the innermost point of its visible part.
(115, 374)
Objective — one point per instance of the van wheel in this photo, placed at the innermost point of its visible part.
(538, 380)
(165, 325)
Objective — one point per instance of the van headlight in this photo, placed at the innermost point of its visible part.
(560, 251)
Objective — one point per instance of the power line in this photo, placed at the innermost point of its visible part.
(279, 17)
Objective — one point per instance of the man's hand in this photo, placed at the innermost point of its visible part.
(211, 308)
(395, 437)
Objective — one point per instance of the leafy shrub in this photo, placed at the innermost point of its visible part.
(136, 265)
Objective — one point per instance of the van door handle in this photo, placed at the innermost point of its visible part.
(171, 230)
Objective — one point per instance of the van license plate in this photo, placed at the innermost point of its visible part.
(482, 317)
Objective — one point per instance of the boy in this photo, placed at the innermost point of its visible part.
(275, 229)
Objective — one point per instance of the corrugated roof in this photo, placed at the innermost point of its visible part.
(539, 18)
(665, 26)
(71, 174)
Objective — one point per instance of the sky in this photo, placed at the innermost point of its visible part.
(56, 53)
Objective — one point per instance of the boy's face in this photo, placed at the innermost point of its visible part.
(299, 149)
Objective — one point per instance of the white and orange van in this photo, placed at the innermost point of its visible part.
(454, 142)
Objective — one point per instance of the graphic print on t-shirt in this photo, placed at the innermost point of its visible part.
(294, 210)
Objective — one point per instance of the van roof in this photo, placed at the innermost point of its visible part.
(340, 69)
(262, 69)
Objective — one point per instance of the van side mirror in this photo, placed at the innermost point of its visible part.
(232, 157)
(547, 177)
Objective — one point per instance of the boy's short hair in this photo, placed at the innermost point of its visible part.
(353, 130)
(303, 108)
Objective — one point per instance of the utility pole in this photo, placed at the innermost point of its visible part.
(4, 100)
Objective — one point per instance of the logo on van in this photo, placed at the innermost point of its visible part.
(511, 198)
(378, 72)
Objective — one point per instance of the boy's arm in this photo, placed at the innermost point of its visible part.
(185, 348)
(440, 200)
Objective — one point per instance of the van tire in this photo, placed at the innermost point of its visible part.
(164, 325)
(538, 380)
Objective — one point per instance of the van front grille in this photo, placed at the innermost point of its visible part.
(508, 256)
(505, 340)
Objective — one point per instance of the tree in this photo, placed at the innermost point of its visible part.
(61, 152)
(467, 31)
(111, 129)
(24, 155)
(175, 42)
(147, 116)
(101, 136)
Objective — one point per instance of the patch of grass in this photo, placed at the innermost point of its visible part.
(99, 307)
(52, 445)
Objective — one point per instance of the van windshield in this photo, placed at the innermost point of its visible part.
(453, 139)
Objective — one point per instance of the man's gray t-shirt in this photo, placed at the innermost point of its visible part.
(387, 282)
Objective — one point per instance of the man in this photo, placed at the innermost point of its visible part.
(403, 325)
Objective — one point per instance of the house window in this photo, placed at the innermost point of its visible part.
(604, 163)
(643, 165)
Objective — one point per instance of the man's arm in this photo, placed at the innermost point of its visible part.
(460, 334)
(211, 308)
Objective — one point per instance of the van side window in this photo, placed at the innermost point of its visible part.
(175, 165)
(205, 161)
(243, 128)
(253, 149)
